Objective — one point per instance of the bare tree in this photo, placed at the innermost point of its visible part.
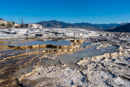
(13, 22)
(22, 23)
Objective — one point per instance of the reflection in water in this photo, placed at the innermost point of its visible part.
(30, 43)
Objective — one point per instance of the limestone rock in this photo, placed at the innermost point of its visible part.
(38, 26)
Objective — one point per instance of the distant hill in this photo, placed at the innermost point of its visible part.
(7, 24)
(123, 28)
(89, 26)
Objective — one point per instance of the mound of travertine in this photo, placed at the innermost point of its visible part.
(54, 76)
(108, 70)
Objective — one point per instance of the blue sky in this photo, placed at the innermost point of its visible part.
(93, 11)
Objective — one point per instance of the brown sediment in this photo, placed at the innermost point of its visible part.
(26, 63)
(5, 77)
(9, 82)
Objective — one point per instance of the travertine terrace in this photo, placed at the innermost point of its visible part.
(74, 58)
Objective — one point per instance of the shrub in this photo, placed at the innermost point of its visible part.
(9, 25)
(2, 25)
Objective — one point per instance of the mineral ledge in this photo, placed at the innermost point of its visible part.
(22, 68)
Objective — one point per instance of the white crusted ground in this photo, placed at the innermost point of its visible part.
(108, 70)
(48, 33)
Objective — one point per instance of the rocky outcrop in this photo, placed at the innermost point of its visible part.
(3, 24)
(38, 26)
(7, 24)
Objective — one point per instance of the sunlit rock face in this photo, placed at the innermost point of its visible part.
(6, 24)
(37, 26)
(64, 58)
(3, 24)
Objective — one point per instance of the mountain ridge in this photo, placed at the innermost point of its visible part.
(123, 28)
(89, 26)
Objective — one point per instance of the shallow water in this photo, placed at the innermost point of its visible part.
(72, 59)
(85, 44)
(74, 56)
(56, 43)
